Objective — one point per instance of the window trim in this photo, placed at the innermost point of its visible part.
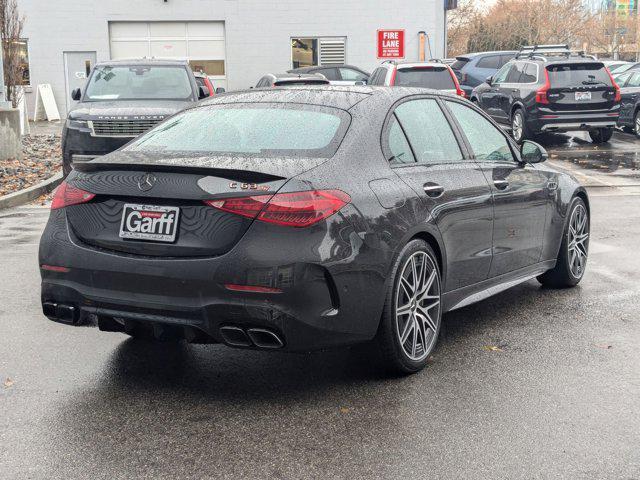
(460, 140)
(514, 151)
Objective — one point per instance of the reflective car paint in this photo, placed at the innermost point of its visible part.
(332, 276)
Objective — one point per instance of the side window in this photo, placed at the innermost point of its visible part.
(530, 74)
(400, 149)
(329, 73)
(501, 75)
(490, 61)
(373, 80)
(200, 82)
(515, 73)
(634, 81)
(352, 75)
(621, 80)
(486, 140)
(428, 132)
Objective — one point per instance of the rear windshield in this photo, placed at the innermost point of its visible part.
(578, 74)
(437, 78)
(459, 63)
(265, 130)
(139, 82)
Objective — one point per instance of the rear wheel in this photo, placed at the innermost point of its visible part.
(412, 314)
(519, 129)
(601, 135)
(572, 258)
(636, 123)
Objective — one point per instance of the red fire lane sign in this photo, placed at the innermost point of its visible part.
(390, 43)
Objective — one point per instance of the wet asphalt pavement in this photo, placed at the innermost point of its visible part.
(532, 383)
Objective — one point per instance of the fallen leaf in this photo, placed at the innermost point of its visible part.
(8, 383)
(492, 348)
(344, 410)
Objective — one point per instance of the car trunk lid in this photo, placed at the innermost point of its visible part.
(157, 208)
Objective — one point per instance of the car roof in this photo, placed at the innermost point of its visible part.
(343, 97)
(322, 67)
(199, 74)
(494, 52)
(296, 76)
(407, 64)
(142, 61)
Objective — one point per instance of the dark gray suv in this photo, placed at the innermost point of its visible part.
(551, 89)
(122, 99)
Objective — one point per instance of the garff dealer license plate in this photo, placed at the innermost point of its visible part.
(149, 222)
(581, 96)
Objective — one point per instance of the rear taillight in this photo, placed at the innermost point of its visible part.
(541, 93)
(297, 209)
(67, 195)
(618, 96)
(394, 72)
(459, 91)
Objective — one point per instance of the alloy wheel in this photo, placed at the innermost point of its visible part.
(417, 306)
(578, 245)
(637, 124)
(517, 126)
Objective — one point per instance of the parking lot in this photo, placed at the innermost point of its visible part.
(532, 383)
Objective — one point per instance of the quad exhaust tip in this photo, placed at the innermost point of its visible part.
(257, 337)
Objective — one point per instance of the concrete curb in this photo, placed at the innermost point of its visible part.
(29, 194)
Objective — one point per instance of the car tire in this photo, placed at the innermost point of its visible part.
(636, 123)
(519, 129)
(408, 333)
(574, 249)
(601, 135)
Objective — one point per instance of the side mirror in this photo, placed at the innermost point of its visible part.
(76, 94)
(220, 90)
(489, 79)
(203, 92)
(532, 152)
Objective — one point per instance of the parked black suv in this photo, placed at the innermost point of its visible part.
(551, 89)
(121, 100)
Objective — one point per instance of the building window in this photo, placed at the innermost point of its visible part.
(304, 52)
(208, 67)
(22, 47)
(311, 52)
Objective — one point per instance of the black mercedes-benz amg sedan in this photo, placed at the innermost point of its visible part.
(309, 217)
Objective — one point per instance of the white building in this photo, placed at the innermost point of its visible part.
(235, 41)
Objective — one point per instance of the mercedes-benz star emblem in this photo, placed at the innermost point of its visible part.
(146, 182)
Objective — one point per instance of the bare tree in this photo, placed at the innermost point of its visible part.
(11, 24)
(509, 24)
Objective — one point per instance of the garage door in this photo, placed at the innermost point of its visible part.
(202, 43)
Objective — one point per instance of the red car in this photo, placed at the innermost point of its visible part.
(203, 81)
(434, 74)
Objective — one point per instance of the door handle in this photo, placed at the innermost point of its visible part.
(433, 190)
(501, 184)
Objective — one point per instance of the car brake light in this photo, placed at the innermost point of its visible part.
(618, 96)
(67, 195)
(394, 72)
(296, 209)
(459, 91)
(541, 93)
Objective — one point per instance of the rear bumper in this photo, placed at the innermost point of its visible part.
(190, 295)
(545, 120)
